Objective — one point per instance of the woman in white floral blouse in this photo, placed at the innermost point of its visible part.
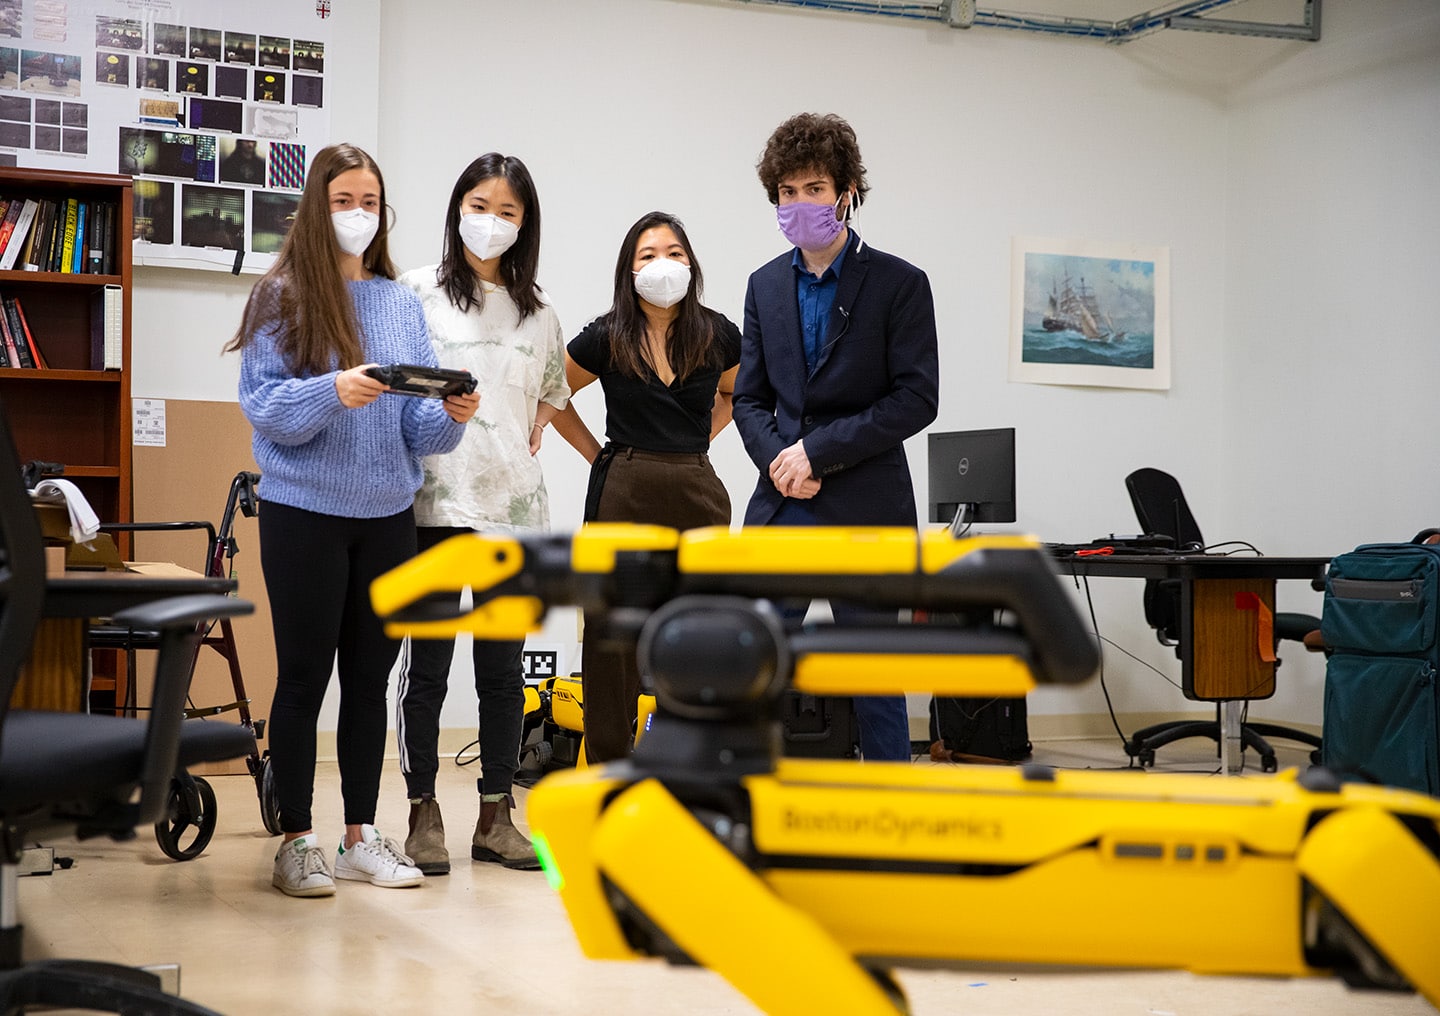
(486, 315)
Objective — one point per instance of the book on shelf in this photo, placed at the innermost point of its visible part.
(16, 242)
(72, 222)
(7, 342)
(95, 249)
(12, 353)
(56, 239)
(15, 335)
(107, 310)
(30, 342)
(39, 244)
(77, 258)
(27, 255)
(7, 224)
(112, 213)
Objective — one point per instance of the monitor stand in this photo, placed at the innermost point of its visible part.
(960, 524)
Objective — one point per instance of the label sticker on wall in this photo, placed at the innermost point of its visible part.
(147, 422)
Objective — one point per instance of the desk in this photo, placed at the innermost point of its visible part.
(54, 676)
(1219, 643)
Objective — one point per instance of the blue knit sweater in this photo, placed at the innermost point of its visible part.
(357, 463)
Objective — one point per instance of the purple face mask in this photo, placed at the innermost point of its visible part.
(809, 226)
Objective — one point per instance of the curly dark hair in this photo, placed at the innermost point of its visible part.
(820, 141)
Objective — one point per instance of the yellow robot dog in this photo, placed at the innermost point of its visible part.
(553, 731)
(708, 848)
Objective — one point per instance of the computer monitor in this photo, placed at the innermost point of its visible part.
(972, 476)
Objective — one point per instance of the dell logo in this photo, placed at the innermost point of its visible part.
(963, 466)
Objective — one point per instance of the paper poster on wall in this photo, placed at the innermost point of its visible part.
(147, 422)
(214, 107)
(1086, 312)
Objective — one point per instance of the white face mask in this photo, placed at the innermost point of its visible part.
(354, 229)
(487, 236)
(663, 282)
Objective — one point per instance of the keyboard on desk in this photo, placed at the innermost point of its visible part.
(1149, 543)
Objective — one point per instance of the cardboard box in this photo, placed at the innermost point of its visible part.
(100, 554)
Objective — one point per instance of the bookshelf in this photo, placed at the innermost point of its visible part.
(72, 410)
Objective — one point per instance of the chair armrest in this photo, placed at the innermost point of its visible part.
(183, 611)
(1295, 626)
(157, 527)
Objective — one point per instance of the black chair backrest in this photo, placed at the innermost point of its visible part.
(22, 567)
(1160, 507)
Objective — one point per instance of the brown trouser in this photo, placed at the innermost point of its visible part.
(658, 488)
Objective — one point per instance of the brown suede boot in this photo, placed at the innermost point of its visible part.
(426, 842)
(496, 838)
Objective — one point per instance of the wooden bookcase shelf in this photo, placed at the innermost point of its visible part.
(72, 413)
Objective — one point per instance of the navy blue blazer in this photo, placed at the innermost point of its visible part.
(876, 384)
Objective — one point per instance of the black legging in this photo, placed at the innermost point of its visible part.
(318, 570)
(499, 693)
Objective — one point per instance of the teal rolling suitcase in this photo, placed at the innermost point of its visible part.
(1382, 713)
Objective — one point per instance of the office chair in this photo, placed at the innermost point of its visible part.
(1161, 509)
(90, 775)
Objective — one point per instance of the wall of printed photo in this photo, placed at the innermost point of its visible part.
(212, 107)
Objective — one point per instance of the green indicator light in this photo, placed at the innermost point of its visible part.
(547, 861)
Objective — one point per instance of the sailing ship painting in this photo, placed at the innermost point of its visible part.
(1089, 310)
(1073, 308)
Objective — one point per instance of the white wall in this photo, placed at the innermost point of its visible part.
(1271, 197)
(1333, 260)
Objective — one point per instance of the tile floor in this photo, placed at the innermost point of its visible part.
(488, 940)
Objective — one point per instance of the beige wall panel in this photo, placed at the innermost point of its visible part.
(207, 443)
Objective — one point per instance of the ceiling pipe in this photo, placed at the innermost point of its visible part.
(964, 14)
(1308, 31)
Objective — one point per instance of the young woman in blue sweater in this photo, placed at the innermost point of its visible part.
(340, 466)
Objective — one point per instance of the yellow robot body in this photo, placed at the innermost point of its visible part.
(555, 717)
(1054, 870)
(707, 847)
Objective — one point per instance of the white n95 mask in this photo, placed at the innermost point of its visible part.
(354, 229)
(663, 282)
(487, 236)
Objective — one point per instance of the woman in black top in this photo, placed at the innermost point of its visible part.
(667, 365)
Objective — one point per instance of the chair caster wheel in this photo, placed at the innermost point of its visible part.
(1268, 764)
(190, 818)
(1147, 759)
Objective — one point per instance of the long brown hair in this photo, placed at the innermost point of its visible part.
(690, 342)
(303, 292)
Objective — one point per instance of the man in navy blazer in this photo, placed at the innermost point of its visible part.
(837, 368)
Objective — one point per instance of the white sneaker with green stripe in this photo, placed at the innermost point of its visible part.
(301, 870)
(378, 860)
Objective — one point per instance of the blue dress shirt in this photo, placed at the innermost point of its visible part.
(816, 295)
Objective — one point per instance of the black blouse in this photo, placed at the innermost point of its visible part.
(645, 413)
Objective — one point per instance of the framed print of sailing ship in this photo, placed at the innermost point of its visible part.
(1086, 312)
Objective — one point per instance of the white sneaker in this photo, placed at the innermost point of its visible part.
(300, 868)
(377, 860)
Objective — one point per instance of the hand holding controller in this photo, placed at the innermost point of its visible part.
(423, 382)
